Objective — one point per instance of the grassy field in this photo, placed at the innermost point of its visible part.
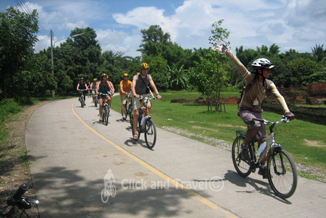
(294, 136)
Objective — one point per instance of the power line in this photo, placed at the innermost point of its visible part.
(27, 10)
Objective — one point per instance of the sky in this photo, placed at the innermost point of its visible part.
(291, 24)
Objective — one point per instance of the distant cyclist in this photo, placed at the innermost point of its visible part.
(82, 85)
(93, 88)
(125, 88)
(140, 87)
(257, 85)
(103, 87)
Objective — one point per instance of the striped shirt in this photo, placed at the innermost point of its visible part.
(257, 91)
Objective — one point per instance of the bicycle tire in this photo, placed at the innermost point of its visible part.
(82, 102)
(105, 196)
(242, 167)
(106, 115)
(275, 162)
(150, 133)
(96, 102)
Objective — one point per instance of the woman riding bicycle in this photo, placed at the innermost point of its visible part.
(257, 86)
(83, 86)
(104, 87)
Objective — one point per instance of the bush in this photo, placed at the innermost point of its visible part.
(8, 106)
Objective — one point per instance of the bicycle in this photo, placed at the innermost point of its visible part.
(128, 108)
(95, 98)
(145, 123)
(281, 169)
(18, 200)
(81, 98)
(105, 109)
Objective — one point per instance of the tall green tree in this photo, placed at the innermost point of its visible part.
(219, 35)
(17, 39)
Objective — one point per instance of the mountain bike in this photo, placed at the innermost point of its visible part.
(105, 109)
(81, 98)
(281, 170)
(19, 201)
(145, 123)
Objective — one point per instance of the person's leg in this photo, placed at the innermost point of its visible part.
(136, 106)
(100, 107)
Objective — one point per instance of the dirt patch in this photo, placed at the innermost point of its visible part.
(14, 158)
(312, 143)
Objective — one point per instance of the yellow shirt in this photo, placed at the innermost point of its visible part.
(126, 85)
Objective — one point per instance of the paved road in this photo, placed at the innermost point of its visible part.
(71, 154)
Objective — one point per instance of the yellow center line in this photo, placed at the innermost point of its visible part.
(177, 184)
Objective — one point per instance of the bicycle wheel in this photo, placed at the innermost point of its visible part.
(82, 102)
(106, 115)
(150, 134)
(96, 102)
(242, 167)
(105, 195)
(282, 173)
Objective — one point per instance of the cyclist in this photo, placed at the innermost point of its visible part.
(93, 88)
(82, 85)
(103, 87)
(250, 104)
(125, 87)
(140, 87)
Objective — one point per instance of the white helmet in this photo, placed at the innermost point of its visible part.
(262, 63)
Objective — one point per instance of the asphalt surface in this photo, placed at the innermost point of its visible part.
(73, 155)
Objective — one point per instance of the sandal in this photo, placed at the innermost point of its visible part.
(135, 136)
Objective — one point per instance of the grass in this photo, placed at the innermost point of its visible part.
(196, 119)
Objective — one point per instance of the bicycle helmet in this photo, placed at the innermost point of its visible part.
(138, 73)
(81, 78)
(104, 74)
(125, 74)
(95, 79)
(261, 63)
(144, 66)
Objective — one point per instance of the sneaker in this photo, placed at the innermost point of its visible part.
(244, 152)
(263, 171)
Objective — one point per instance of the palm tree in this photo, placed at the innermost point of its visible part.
(318, 53)
(177, 77)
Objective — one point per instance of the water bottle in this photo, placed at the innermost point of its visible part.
(142, 122)
(261, 149)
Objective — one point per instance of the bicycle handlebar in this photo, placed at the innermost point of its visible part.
(273, 123)
(82, 90)
(20, 192)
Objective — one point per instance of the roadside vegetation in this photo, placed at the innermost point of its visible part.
(305, 141)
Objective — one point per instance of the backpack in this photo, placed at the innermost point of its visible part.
(248, 87)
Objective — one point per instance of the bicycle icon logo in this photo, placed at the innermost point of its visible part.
(109, 187)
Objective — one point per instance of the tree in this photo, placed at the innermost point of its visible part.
(177, 77)
(18, 36)
(318, 53)
(220, 35)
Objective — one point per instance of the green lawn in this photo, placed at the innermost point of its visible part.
(196, 119)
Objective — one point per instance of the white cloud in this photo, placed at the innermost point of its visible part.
(297, 24)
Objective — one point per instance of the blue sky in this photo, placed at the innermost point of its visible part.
(296, 24)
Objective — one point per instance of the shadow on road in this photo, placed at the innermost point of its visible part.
(65, 193)
(264, 187)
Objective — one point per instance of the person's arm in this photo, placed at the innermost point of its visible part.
(77, 86)
(133, 86)
(121, 87)
(243, 70)
(111, 87)
(279, 97)
(151, 81)
(97, 88)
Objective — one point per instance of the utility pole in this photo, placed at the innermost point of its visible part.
(51, 33)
